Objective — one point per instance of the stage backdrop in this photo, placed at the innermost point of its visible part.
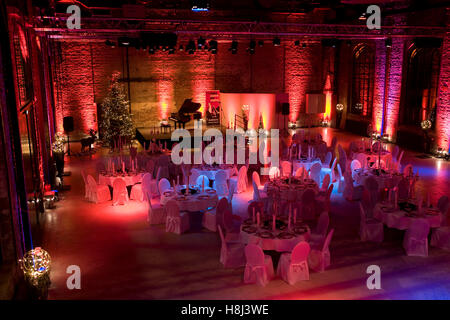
(256, 104)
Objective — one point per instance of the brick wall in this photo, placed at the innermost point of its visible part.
(159, 83)
(379, 85)
(443, 101)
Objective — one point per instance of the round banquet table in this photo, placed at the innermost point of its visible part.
(303, 163)
(130, 179)
(210, 173)
(277, 243)
(373, 156)
(361, 175)
(193, 202)
(280, 189)
(399, 219)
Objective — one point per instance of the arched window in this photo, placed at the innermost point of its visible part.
(421, 85)
(362, 80)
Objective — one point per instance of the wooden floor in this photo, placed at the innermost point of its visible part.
(121, 257)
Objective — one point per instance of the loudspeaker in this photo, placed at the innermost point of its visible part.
(68, 124)
(285, 109)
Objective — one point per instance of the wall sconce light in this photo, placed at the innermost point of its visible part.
(339, 107)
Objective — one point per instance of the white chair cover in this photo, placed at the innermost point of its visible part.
(259, 267)
(415, 241)
(240, 181)
(231, 253)
(120, 192)
(86, 185)
(274, 172)
(327, 161)
(351, 192)
(318, 236)
(97, 193)
(341, 180)
(286, 168)
(163, 185)
(370, 229)
(220, 183)
(300, 171)
(319, 257)
(325, 183)
(212, 218)
(330, 171)
(156, 212)
(176, 222)
(202, 180)
(354, 165)
(294, 267)
(315, 171)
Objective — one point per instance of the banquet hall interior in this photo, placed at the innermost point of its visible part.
(212, 149)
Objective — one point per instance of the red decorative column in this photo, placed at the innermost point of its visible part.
(443, 101)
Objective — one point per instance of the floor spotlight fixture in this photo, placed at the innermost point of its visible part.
(388, 42)
(296, 43)
(234, 47)
(276, 42)
(180, 48)
(213, 46)
(251, 47)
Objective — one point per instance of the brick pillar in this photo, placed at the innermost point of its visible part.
(388, 83)
(443, 100)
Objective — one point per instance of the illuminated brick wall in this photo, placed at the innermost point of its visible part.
(443, 101)
(159, 83)
(379, 85)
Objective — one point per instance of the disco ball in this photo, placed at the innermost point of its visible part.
(426, 124)
(35, 265)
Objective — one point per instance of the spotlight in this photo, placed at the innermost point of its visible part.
(251, 48)
(124, 41)
(296, 43)
(200, 43)
(276, 42)
(234, 46)
(213, 46)
(388, 42)
(260, 43)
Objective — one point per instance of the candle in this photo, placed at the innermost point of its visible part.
(203, 184)
(273, 222)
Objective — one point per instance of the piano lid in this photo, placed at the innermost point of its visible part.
(189, 107)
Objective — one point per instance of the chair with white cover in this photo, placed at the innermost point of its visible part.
(440, 237)
(415, 241)
(240, 181)
(398, 163)
(330, 171)
(97, 193)
(395, 152)
(408, 171)
(371, 186)
(231, 253)
(213, 217)
(362, 158)
(324, 200)
(258, 267)
(156, 212)
(320, 232)
(342, 158)
(220, 183)
(231, 228)
(86, 185)
(325, 184)
(258, 189)
(315, 172)
(274, 172)
(163, 185)
(148, 186)
(340, 179)
(293, 267)
(120, 192)
(193, 177)
(332, 147)
(231, 190)
(202, 180)
(352, 192)
(370, 229)
(286, 168)
(176, 221)
(327, 161)
(355, 165)
(319, 258)
(301, 171)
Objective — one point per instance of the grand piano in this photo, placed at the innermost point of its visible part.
(186, 113)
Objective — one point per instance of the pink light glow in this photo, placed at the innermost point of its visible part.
(165, 97)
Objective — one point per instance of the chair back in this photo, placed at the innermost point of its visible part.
(83, 174)
(256, 180)
(119, 189)
(202, 179)
(376, 146)
(326, 182)
(328, 158)
(355, 164)
(315, 172)
(150, 167)
(339, 171)
(395, 152)
(221, 177)
(222, 238)
(408, 171)
(342, 158)
(163, 185)
(300, 171)
(146, 183)
(322, 224)
(274, 172)
(327, 241)
(300, 252)
(172, 209)
(231, 190)
(91, 183)
(254, 255)
(286, 168)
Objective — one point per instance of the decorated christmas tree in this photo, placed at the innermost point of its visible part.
(117, 124)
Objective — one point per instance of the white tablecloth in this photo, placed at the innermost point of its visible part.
(193, 203)
(278, 189)
(373, 156)
(397, 219)
(280, 245)
(305, 163)
(129, 179)
(360, 177)
(211, 173)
